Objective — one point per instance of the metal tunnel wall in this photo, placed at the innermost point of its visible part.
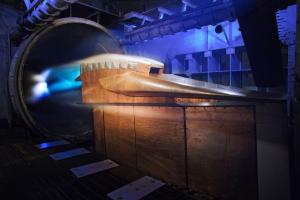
(52, 49)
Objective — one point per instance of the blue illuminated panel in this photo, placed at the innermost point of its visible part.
(47, 145)
(63, 78)
(69, 154)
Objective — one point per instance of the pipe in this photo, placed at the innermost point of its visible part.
(44, 13)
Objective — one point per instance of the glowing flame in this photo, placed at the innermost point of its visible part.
(40, 89)
(54, 80)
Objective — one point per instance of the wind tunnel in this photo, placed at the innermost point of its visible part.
(42, 82)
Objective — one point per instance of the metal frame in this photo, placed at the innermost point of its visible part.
(176, 23)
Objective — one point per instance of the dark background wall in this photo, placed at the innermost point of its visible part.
(297, 114)
(8, 17)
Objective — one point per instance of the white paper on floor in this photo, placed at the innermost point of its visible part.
(137, 189)
(93, 168)
(69, 154)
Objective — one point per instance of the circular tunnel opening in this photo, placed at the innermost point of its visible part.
(43, 85)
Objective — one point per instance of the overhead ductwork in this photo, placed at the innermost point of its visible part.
(44, 13)
(38, 16)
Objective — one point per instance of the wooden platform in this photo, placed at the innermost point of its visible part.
(211, 149)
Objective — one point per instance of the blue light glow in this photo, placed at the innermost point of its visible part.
(54, 80)
(191, 41)
(47, 145)
(63, 79)
(40, 90)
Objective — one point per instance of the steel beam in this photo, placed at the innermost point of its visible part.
(138, 15)
(189, 3)
(165, 11)
(179, 23)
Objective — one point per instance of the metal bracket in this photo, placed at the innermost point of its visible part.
(189, 3)
(30, 4)
(138, 16)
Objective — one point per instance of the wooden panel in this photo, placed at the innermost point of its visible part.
(120, 135)
(99, 133)
(222, 152)
(160, 143)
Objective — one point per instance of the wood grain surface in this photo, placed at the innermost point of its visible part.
(219, 155)
(222, 151)
(160, 143)
(120, 134)
(99, 131)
